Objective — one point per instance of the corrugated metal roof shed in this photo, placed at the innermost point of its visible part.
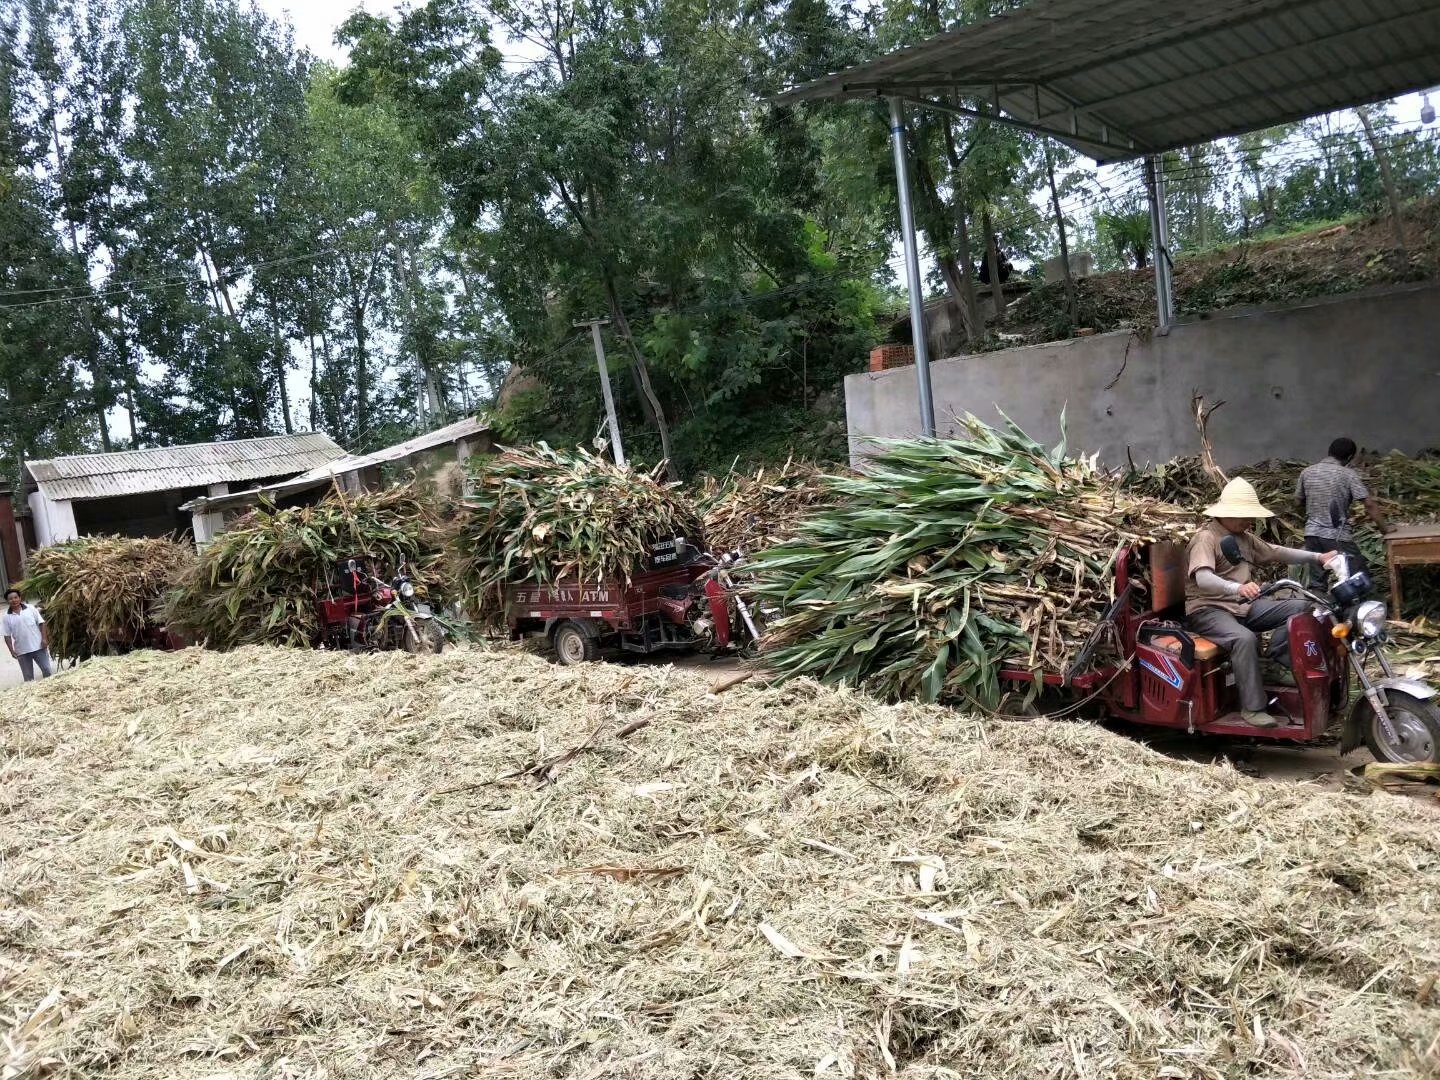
(132, 472)
(1118, 79)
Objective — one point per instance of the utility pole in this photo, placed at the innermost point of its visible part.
(615, 445)
(914, 283)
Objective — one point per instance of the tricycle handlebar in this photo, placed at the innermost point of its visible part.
(1291, 583)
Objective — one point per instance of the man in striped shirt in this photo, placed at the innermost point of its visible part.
(1326, 490)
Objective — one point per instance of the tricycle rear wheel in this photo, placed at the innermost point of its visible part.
(1017, 705)
(1417, 730)
(574, 646)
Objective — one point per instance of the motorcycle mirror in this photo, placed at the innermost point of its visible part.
(1230, 548)
(1337, 517)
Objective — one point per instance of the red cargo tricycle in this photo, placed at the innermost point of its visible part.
(1160, 674)
(682, 599)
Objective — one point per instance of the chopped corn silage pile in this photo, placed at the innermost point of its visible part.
(270, 864)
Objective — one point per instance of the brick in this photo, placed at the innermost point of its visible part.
(885, 357)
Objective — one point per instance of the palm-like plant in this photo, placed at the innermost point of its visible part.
(1129, 232)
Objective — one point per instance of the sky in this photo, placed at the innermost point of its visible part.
(315, 20)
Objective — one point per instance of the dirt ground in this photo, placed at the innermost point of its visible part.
(9, 672)
(1323, 262)
(1320, 765)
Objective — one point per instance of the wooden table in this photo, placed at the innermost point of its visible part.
(1409, 545)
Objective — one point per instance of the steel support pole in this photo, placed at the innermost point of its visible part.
(616, 446)
(912, 268)
(1160, 242)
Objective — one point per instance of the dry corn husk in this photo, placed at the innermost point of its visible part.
(539, 515)
(750, 511)
(261, 581)
(281, 864)
(98, 592)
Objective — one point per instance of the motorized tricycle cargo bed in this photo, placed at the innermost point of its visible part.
(532, 608)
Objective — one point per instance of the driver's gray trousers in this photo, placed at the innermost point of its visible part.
(1239, 636)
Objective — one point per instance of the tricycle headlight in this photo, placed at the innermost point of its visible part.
(1370, 618)
(407, 590)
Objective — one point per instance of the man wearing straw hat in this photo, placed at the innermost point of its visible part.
(1220, 597)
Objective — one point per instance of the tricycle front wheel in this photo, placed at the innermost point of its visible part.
(1416, 723)
(424, 637)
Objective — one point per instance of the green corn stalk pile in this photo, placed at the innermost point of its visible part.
(542, 515)
(97, 592)
(945, 559)
(261, 581)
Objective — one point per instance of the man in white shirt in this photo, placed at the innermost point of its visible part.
(26, 635)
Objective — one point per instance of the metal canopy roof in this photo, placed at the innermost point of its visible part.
(326, 473)
(1118, 79)
(132, 472)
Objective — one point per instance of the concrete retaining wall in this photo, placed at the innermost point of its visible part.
(1292, 377)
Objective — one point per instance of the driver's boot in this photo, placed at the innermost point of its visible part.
(1258, 719)
(1276, 673)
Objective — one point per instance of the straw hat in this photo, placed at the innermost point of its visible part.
(1238, 500)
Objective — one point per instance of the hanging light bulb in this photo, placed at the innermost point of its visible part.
(1427, 111)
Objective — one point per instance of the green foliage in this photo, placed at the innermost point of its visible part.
(189, 216)
(39, 354)
(205, 234)
(525, 417)
(1128, 234)
(628, 174)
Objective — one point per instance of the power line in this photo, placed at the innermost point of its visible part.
(126, 290)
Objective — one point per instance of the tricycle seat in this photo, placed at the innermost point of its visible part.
(1205, 649)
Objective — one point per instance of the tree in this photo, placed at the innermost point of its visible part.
(372, 208)
(1392, 194)
(41, 391)
(1070, 302)
(218, 99)
(627, 173)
